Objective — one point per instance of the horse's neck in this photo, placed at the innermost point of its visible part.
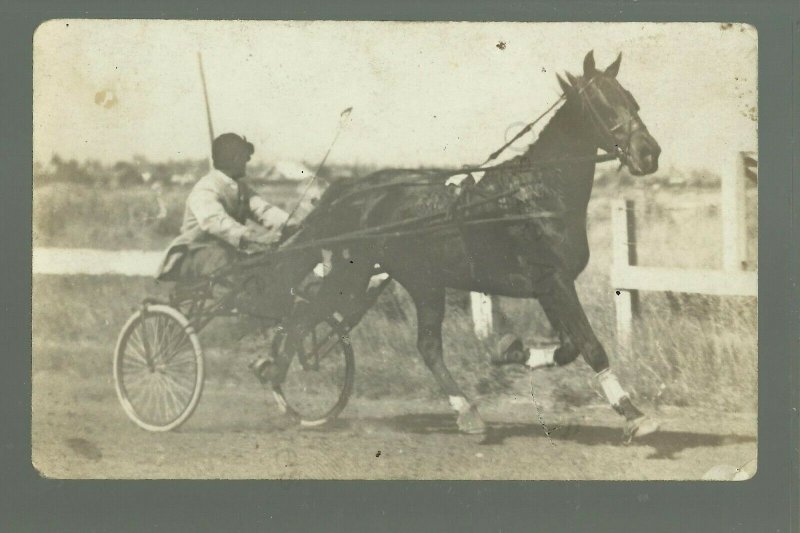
(565, 141)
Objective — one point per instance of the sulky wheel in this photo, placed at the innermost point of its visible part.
(319, 380)
(158, 368)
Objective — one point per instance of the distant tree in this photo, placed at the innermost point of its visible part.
(68, 171)
(126, 174)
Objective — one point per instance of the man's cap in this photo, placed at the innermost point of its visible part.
(227, 145)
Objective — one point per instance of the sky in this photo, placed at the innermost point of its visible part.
(422, 93)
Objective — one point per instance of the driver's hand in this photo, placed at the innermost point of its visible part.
(258, 235)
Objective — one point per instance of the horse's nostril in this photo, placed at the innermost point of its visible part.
(655, 152)
(648, 154)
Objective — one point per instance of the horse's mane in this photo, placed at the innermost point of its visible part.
(549, 137)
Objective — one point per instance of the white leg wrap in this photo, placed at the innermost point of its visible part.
(459, 403)
(611, 387)
(541, 357)
(321, 270)
(326, 265)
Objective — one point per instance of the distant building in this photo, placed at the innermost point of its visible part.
(183, 179)
(289, 171)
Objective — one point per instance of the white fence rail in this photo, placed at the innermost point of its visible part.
(714, 282)
(72, 261)
(77, 261)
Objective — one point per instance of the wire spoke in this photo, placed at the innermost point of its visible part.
(180, 361)
(154, 396)
(133, 360)
(160, 405)
(180, 386)
(165, 400)
(156, 386)
(140, 351)
(184, 384)
(154, 338)
(168, 403)
(151, 397)
(136, 394)
(143, 398)
(169, 336)
(177, 402)
(177, 347)
(146, 344)
(158, 337)
(134, 378)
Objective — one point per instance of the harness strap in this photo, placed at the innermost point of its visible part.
(456, 213)
(522, 132)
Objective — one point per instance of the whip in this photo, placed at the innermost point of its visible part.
(342, 118)
(208, 108)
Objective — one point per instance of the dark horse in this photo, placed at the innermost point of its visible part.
(530, 243)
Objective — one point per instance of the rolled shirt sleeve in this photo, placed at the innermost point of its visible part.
(267, 215)
(212, 217)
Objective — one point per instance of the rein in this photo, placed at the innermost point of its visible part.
(440, 173)
(451, 219)
(614, 151)
(597, 118)
(523, 131)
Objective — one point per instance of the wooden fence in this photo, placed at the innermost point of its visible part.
(626, 276)
(732, 280)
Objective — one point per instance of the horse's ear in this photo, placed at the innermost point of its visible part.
(588, 65)
(565, 86)
(573, 80)
(613, 69)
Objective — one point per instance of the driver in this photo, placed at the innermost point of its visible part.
(214, 225)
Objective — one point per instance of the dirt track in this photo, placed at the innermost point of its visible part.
(79, 431)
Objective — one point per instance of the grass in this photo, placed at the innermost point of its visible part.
(79, 216)
(689, 349)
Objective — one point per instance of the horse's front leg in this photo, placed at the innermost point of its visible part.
(430, 305)
(564, 309)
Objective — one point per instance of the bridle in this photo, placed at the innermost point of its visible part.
(604, 128)
(607, 128)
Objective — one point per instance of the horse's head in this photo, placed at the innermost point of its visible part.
(614, 115)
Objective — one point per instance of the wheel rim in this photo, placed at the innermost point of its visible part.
(319, 381)
(158, 369)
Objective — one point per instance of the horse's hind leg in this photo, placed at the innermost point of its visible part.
(564, 309)
(511, 349)
(430, 305)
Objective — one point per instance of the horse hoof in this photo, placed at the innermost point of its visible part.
(268, 371)
(640, 427)
(509, 350)
(470, 422)
(262, 368)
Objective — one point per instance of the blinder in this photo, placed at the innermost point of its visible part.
(603, 115)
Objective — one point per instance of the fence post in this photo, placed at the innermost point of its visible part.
(734, 231)
(623, 234)
(481, 305)
(633, 256)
